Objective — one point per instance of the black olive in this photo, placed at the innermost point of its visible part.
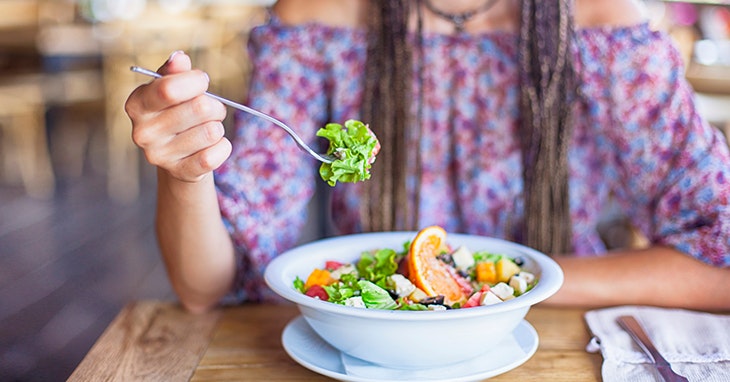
(435, 300)
(447, 259)
(519, 261)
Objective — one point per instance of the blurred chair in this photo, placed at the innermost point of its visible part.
(24, 145)
(74, 91)
(25, 154)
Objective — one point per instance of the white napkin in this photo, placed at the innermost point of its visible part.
(696, 344)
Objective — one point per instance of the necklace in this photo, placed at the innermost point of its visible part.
(459, 19)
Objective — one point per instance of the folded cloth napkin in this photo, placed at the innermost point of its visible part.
(696, 344)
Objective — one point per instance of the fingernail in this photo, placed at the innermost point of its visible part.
(207, 77)
(173, 54)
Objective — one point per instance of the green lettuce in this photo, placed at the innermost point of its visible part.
(340, 291)
(376, 267)
(375, 297)
(353, 147)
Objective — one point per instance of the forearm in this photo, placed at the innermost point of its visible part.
(658, 276)
(196, 248)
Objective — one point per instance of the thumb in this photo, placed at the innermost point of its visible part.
(178, 62)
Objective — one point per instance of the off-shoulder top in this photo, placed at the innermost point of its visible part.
(638, 140)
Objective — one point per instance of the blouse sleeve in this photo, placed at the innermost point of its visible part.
(266, 184)
(675, 166)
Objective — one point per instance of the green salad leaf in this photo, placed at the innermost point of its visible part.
(346, 288)
(353, 146)
(480, 256)
(299, 285)
(375, 297)
(378, 266)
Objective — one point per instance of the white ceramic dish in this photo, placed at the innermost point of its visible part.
(409, 339)
(309, 350)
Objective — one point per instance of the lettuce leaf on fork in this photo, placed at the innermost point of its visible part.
(353, 145)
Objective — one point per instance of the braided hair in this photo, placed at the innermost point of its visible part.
(548, 85)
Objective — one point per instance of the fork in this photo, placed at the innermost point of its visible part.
(632, 326)
(325, 158)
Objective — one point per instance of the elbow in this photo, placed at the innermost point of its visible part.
(197, 301)
(197, 307)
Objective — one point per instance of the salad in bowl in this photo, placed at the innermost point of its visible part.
(425, 274)
(396, 299)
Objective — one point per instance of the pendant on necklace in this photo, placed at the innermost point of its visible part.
(459, 21)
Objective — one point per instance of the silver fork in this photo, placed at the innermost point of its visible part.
(325, 158)
(632, 326)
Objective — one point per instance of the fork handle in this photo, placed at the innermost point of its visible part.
(303, 145)
(634, 329)
(637, 333)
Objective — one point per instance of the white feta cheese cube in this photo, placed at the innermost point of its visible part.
(519, 283)
(463, 258)
(355, 301)
(436, 307)
(503, 291)
(345, 269)
(529, 277)
(403, 286)
(489, 298)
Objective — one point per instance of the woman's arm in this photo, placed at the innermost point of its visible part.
(196, 247)
(658, 275)
(180, 131)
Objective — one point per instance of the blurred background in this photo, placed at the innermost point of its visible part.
(76, 197)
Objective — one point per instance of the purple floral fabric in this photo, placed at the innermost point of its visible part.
(638, 140)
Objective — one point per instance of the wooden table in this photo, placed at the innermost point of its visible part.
(154, 340)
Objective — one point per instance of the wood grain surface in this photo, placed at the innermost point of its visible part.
(149, 341)
(153, 340)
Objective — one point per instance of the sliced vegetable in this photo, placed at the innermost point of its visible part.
(506, 268)
(354, 146)
(317, 291)
(375, 297)
(486, 272)
(318, 277)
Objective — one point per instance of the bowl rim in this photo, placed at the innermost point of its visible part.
(551, 280)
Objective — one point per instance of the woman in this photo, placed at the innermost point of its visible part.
(501, 118)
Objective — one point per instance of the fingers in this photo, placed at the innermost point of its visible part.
(196, 166)
(176, 125)
(168, 142)
(176, 119)
(180, 83)
(168, 150)
(170, 90)
(178, 62)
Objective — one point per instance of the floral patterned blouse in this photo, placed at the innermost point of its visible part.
(638, 140)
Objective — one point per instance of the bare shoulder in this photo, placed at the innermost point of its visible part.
(328, 12)
(598, 13)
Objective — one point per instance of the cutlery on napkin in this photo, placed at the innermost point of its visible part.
(697, 344)
(632, 326)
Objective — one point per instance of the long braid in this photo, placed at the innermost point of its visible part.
(386, 105)
(548, 85)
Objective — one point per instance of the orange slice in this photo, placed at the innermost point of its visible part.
(429, 273)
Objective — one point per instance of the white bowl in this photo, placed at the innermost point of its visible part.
(409, 339)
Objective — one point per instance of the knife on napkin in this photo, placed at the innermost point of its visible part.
(632, 326)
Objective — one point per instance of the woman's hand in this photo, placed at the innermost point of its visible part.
(180, 130)
(176, 125)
